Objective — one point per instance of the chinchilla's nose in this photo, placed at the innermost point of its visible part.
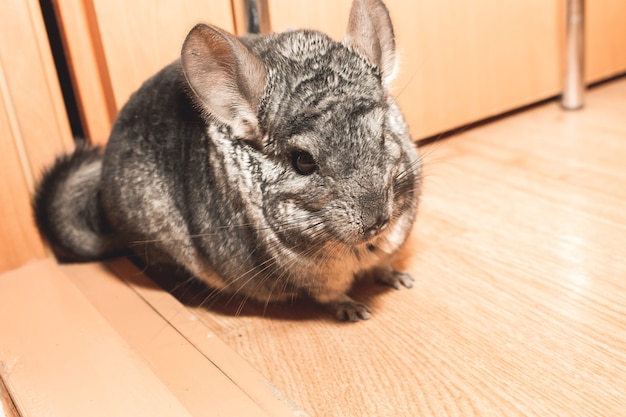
(375, 224)
(376, 210)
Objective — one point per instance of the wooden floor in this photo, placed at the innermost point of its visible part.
(518, 308)
(519, 304)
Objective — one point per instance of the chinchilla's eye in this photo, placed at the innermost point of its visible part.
(303, 162)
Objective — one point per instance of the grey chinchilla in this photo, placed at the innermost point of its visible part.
(270, 166)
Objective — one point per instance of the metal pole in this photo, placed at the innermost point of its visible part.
(574, 82)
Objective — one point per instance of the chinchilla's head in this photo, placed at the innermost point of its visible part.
(334, 154)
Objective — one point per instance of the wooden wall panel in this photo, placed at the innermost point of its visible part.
(79, 341)
(605, 39)
(331, 17)
(33, 125)
(463, 61)
(115, 45)
(31, 84)
(141, 36)
(19, 241)
(87, 67)
(460, 61)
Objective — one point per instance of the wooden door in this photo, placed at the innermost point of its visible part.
(115, 45)
(605, 39)
(463, 61)
(33, 125)
(460, 61)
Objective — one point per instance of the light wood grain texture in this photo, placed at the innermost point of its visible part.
(459, 61)
(60, 358)
(30, 87)
(19, 240)
(77, 340)
(141, 37)
(33, 125)
(6, 402)
(115, 45)
(242, 16)
(88, 68)
(206, 375)
(519, 304)
(330, 17)
(605, 39)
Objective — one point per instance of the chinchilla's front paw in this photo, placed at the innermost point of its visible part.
(352, 311)
(346, 309)
(393, 278)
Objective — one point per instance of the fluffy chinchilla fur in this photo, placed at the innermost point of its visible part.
(268, 166)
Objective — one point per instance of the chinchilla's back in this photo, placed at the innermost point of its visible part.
(67, 208)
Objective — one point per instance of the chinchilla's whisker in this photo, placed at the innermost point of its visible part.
(405, 86)
(187, 282)
(241, 305)
(228, 284)
(213, 294)
(290, 224)
(255, 272)
(242, 280)
(282, 278)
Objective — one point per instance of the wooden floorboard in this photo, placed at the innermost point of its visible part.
(519, 305)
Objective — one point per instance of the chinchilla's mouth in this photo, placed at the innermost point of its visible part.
(369, 242)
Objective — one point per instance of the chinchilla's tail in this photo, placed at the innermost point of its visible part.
(67, 208)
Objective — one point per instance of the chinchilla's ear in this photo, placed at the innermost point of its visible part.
(226, 77)
(370, 33)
